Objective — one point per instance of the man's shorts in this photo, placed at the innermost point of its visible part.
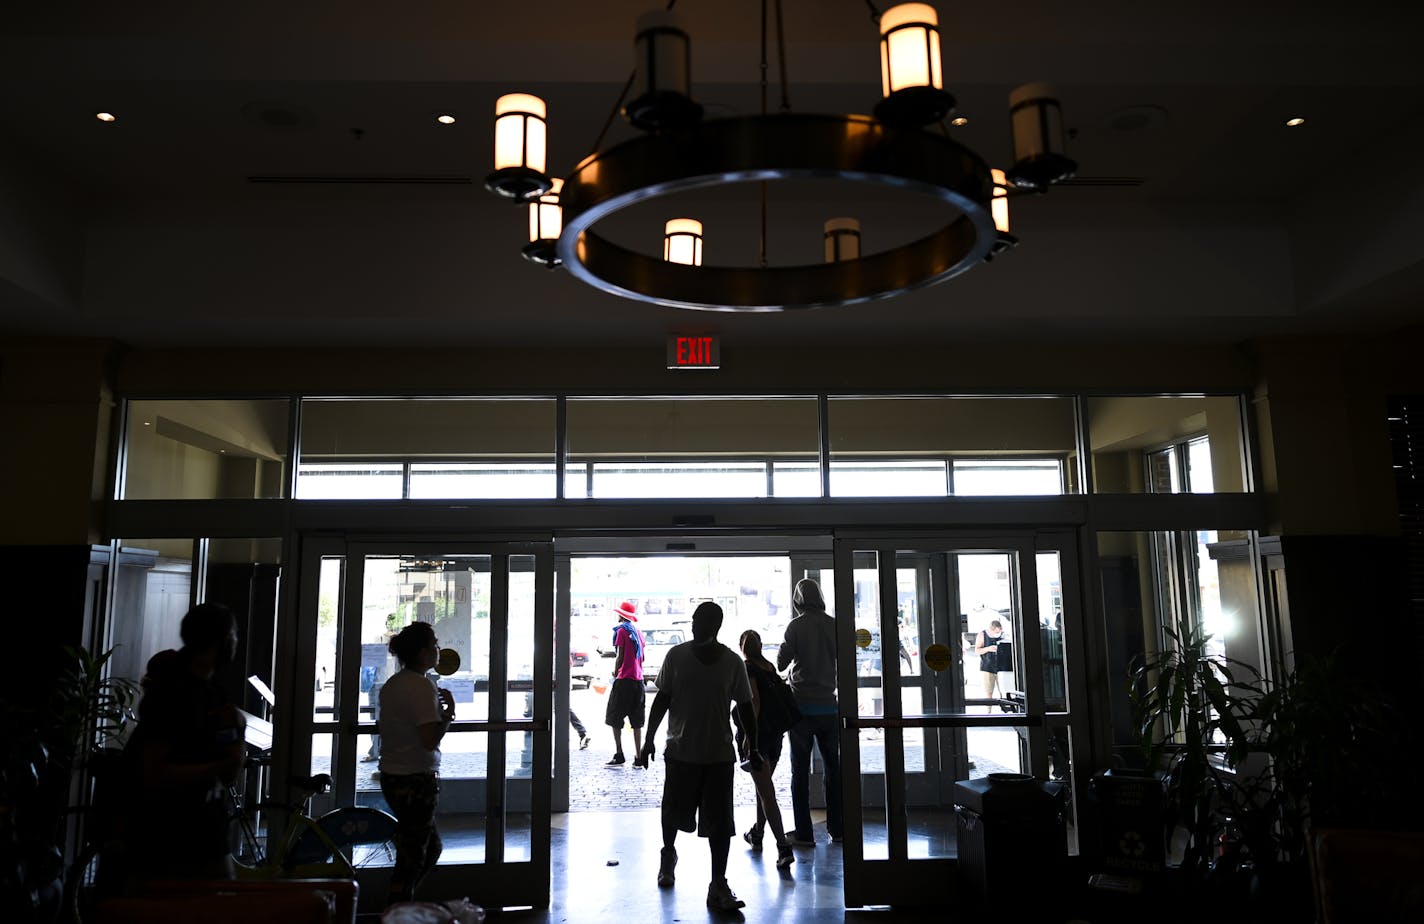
(626, 700)
(699, 796)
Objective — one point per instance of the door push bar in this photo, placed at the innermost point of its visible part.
(523, 725)
(952, 720)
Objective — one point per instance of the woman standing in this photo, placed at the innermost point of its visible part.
(415, 715)
(762, 675)
(987, 647)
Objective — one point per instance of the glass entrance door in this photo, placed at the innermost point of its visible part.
(493, 605)
(919, 711)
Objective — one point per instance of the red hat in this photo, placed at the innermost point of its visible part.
(627, 610)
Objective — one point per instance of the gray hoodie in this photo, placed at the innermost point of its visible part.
(810, 645)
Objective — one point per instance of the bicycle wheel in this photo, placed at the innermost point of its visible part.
(364, 834)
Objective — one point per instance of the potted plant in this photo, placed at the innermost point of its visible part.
(1192, 710)
(1333, 758)
(45, 738)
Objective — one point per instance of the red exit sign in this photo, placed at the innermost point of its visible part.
(694, 351)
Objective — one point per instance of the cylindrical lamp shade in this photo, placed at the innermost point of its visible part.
(999, 205)
(682, 241)
(1037, 121)
(909, 48)
(546, 217)
(842, 239)
(519, 132)
(664, 55)
(662, 78)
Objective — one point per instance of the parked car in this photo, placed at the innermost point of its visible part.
(579, 674)
(656, 644)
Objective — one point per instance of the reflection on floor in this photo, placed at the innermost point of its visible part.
(604, 867)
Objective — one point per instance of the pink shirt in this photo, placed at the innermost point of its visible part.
(631, 667)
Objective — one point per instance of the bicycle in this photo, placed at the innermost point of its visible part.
(333, 845)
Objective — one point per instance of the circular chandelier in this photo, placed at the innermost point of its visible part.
(679, 151)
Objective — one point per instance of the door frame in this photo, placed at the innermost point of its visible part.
(892, 880)
(497, 882)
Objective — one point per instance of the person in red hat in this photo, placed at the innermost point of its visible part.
(626, 701)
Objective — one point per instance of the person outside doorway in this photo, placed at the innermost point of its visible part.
(626, 700)
(987, 647)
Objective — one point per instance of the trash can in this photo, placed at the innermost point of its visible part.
(1010, 825)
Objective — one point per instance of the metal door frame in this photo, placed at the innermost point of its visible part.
(899, 879)
(499, 884)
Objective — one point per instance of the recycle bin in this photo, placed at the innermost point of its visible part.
(1131, 808)
(1011, 829)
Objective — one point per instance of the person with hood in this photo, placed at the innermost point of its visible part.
(809, 649)
(626, 700)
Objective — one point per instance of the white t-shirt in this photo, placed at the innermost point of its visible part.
(699, 729)
(408, 701)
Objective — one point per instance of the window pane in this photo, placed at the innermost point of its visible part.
(470, 447)
(1153, 581)
(332, 481)
(973, 429)
(152, 588)
(671, 447)
(488, 479)
(680, 479)
(889, 479)
(976, 478)
(1127, 433)
(796, 479)
(204, 450)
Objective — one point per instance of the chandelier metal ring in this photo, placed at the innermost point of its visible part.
(777, 147)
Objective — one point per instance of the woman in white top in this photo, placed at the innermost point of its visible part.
(415, 714)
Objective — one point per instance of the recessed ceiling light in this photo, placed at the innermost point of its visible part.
(147, 424)
(959, 121)
(445, 119)
(106, 117)
(1293, 122)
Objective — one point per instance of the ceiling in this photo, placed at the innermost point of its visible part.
(1197, 214)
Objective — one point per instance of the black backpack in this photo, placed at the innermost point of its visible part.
(779, 712)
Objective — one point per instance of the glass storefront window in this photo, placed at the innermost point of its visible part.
(1158, 580)
(204, 450)
(374, 448)
(694, 447)
(1166, 445)
(970, 446)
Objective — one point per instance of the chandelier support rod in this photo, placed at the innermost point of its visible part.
(874, 11)
(613, 113)
(763, 112)
(781, 59)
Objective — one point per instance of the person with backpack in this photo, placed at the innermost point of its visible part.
(770, 698)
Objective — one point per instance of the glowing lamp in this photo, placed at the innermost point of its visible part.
(546, 222)
(519, 148)
(911, 81)
(682, 241)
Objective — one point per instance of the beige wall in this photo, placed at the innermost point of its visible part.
(55, 413)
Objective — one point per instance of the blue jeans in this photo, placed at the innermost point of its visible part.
(822, 730)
